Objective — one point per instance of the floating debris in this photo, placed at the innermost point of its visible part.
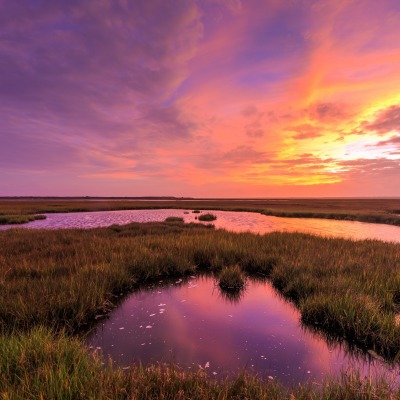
(152, 315)
(148, 327)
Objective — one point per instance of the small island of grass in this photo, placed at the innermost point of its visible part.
(174, 219)
(207, 217)
(232, 278)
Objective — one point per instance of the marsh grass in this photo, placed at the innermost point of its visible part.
(59, 281)
(207, 217)
(19, 219)
(231, 278)
(42, 365)
(344, 288)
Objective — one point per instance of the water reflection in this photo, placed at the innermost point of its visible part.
(230, 220)
(192, 323)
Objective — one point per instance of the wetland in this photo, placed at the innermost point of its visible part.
(64, 290)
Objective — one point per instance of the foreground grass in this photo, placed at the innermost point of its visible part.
(41, 365)
(54, 284)
(384, 211)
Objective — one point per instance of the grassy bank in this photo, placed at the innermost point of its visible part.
(365, 210)
(342, 288)
(19, 219)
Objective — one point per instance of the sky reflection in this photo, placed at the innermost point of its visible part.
(190, 323)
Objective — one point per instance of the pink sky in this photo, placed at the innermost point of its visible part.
(211, 98)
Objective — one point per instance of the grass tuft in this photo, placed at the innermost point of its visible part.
(232, 278)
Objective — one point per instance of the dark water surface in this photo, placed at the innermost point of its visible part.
(230, 220)
(191, 323)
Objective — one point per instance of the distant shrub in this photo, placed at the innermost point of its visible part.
(196, 211)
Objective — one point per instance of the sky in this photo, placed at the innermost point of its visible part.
(201, 98)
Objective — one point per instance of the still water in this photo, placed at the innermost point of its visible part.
(192, 323)
(230, 220)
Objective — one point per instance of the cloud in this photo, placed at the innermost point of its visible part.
(97, 70)
(254, 128)
(306, 131)
(328, 112)
(393, 140)
(250, 111)
(387, 120)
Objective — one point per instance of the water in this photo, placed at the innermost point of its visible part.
(230, 220)
(191, 323)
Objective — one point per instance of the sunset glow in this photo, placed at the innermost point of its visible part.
(206, 98)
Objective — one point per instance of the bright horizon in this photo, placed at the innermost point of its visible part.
(203, 99)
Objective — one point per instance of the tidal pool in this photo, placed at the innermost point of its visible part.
(191, 322)
(230, 220)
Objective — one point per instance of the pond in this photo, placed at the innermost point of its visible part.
(191, 322)
(230, 220)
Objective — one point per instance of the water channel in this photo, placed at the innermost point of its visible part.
(230, 220)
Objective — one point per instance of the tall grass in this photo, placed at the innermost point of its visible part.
(40, 365)
(54, 283)
(63, 279)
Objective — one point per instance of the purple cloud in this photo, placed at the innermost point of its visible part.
(82, 75)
